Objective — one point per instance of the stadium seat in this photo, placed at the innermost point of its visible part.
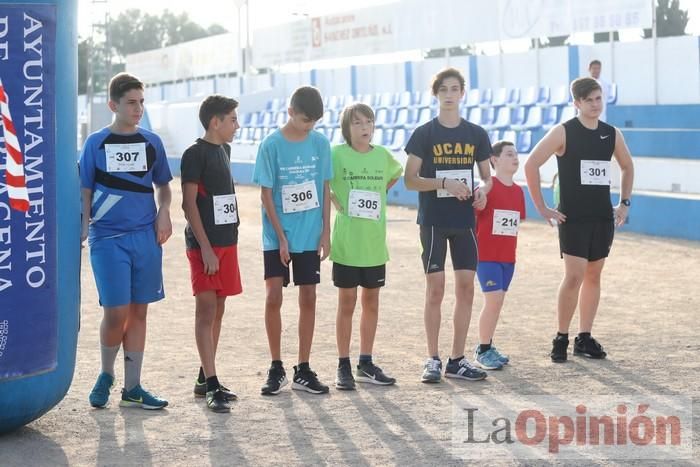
(559, 96)
(398, 139)
(485, 98)
(502, 120)
(424, 116)
(281, 118)
(567, 113)
(543, 94)
(337, 136)
(529, 96)
(275, 104)
(517, 115)
(329, 119)
(267, 119)
(403, 99)
(333, 103)
(509, 135)
(513, 97)
(499, 97)
(378, 137)
(386, 100)
(403, 118)
(533, 121)
(367, 99)
(471, 98)
(493, 135)
(549, 117)
(523, 143)
(424, 99)
(383, 118)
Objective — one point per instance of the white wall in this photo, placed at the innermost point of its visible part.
(679, 74)
(378, 78)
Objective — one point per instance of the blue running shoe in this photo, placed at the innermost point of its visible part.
(139, 397)
(100, 392)
(432, 371)
(503, 358)
(464, 370)
(489, 360)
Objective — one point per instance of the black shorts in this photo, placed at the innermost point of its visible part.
(306, 266)
(348, 277)
(463, 248)
(590, 240)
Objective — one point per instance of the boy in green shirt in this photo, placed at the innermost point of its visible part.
(362, 174)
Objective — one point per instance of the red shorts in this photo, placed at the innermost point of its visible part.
(227, 280)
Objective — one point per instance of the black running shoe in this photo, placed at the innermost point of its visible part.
(559, 347)
(588, 347)
(216, 401)
(306, 380)
(371, 373)
(200, 390)
(344, 379)
(276, 380)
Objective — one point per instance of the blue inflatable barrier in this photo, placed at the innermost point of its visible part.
(39, 207)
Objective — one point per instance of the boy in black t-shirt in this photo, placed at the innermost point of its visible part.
(211, 235)
(442, 156)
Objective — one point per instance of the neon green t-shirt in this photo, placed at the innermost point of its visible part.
(359, 184)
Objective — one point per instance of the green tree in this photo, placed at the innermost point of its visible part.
(670, 19)
(552, 41)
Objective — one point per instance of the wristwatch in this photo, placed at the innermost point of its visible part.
(625, 202)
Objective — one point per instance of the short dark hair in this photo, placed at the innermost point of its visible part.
(121, 83)
(307, 100)
(215, 105)
(497, 148)
(594, 62)
(582, 87)
(349, 112)
(442, 75)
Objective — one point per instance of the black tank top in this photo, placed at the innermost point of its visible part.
(582, 202)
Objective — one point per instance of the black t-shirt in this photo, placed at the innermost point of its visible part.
(447, 149)
(587, 199)
(209, 166)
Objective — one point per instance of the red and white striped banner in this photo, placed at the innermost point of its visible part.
(14, 173)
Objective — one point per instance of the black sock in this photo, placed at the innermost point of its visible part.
(343, 361)
(277, 364)
(201, 378)
(454, 360)
(304, 366)
(563, 336)
(212, 383)
(484, 347)
(365, 359)
(584, 335)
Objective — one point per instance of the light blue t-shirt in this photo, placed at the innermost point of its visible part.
(293, 169)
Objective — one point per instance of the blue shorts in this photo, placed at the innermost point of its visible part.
(495, 276)
(128, 269)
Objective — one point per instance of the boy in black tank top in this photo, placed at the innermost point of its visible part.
(584, 147)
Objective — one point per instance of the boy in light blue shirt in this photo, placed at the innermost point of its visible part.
(293, 167)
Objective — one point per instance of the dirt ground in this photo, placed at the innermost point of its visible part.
(647, 321)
